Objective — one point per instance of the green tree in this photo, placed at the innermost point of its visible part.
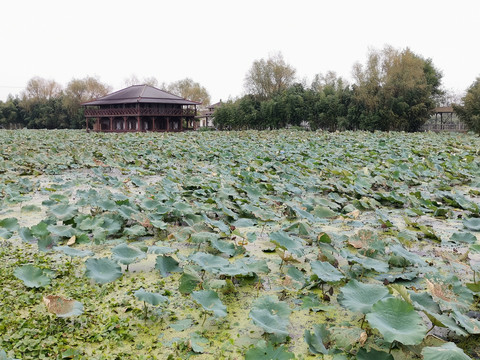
(395, 90)
(469, 112)
(268, 77)
(40, 90)
(189, 89)
(79, 91)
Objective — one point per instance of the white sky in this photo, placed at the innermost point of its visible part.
(215, 42)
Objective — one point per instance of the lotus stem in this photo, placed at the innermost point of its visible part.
(204, 317)
(146, 310)
(433, 325)
(363, 320)
(391, 347)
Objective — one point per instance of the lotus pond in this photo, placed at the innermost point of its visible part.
(232, 245)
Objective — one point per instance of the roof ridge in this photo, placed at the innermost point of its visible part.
(141, 94)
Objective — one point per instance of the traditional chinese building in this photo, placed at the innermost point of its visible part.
(141, 108)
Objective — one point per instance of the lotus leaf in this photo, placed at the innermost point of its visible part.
(292, 244)
(150, 297)
(325, 271)
(316, 341)
(264, 351)
(67, 250)
(373, 354)
(161, 250)
(63, 307)
(209, 262)
(63, 211)
(411, 257)
(188, 282)
(166, 265)
(448, 351)
(472, 224)
(463, 237)
(126, 255)
(32, 276)
(360, 297)
(397, 320)
(102, 270)
(203, 237)
(10, 224)
(182, 325)
(61, 230)
(470, 324)
(271, 315)
(210, 302)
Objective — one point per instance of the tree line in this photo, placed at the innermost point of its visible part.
(45, 104)
(393, 90)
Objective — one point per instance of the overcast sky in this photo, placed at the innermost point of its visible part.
(215, 42)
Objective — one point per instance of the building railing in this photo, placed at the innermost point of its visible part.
(114, 112)
(449, 126)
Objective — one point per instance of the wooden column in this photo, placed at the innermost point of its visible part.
(87, 124)
(111, 123)
(125, 123)
(153, 123)
(168, 124)
(139, 125)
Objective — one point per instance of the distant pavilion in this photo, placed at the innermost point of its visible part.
(141, 108)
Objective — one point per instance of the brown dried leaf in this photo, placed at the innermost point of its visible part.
(58, 305)
(72, 240)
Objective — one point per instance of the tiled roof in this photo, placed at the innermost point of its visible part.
(140, 94)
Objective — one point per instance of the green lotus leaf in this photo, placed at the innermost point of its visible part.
(91, 223)
(126, 255)
(472, 224)
(188, 282)
(324, 212)
(63, 307)
(181, 325)
(67, 250)
(10, 224)
(373, 354)
(424, 302)
(202, 237)
(472, 325)
(135, 231)
(4, 356)
(264, 351)
(210, 302)
(32, 276)
(30, 208)
(397, 320)
(166, 265)
(325, 271)
(292, 244)
(195, 342)
(26, 234)
(63, 211)
(224, 247)
(102, 270)
(360, 297)
(150, 297)
(448, 351)
(271, 315)
(244, 222)
(5, 234)
(61, 230)
(209, 262)
(463, 237)
(161, 250)
(399, 250)
(372, 264)
(316, 341)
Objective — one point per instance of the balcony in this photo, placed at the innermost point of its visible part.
(116, 112)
